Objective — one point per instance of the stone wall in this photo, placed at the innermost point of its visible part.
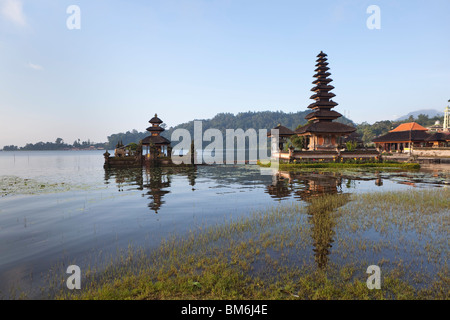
(431, 152)
(335, 156)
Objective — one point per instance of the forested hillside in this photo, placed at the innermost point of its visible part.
(223, 121)
(243, 120)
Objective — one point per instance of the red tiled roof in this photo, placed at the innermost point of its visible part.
(410, 126)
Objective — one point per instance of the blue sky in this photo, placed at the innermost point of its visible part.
(191, 59)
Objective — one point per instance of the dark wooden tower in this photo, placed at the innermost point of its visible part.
(322, 131)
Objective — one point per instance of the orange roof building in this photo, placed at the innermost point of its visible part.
(402, 138)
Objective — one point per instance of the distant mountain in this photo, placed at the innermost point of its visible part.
(431, 113)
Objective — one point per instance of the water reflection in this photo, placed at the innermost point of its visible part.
(157, 185)
(156, 181)
(132, 179)
(303, 186)
(310, 187)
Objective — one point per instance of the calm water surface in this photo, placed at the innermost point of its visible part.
(63, 207)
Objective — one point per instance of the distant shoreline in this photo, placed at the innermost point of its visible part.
(56, 150)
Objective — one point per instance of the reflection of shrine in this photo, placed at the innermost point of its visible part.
(280, 188)
(304, 185)
(131, 178)
(312, 187)
(156, 181)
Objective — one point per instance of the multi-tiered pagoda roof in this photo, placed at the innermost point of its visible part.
(321, 118)
(155, 129)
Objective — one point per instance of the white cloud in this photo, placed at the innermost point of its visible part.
(35, 66)
(13, 11)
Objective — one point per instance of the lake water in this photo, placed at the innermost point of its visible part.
(63, 207)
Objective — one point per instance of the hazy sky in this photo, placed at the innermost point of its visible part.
(192, 59)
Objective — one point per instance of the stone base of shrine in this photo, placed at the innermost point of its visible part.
(329, 156)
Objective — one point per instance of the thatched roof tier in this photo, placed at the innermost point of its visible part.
(282, 131)
(325, 114)
(323, 95)
(155, 120)
(325, 128)
(323, 104)
(322, 63)
(322, 87)
(322, 75)
(438, 137)
(322, 81)
(155, 129)
(403, 136)
(155, 140)
(321, 68)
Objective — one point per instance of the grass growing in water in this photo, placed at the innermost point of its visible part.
(318, 251)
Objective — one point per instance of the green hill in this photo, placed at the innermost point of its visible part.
(222, 121)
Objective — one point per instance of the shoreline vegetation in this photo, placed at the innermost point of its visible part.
(319, 249)
(223, 121)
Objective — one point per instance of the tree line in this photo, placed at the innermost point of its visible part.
(59, 144)
(368, 132)
(223, 121)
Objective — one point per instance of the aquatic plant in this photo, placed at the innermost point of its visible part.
(293, 251)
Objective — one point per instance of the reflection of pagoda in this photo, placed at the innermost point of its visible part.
(310, 187)
(322, 219)
(192, 176)
(321, 131)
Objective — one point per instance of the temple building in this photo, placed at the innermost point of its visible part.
(402, 138)
(156, 145)
(436, 127)
(438, 140)
(283, 135)
(321, 132)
